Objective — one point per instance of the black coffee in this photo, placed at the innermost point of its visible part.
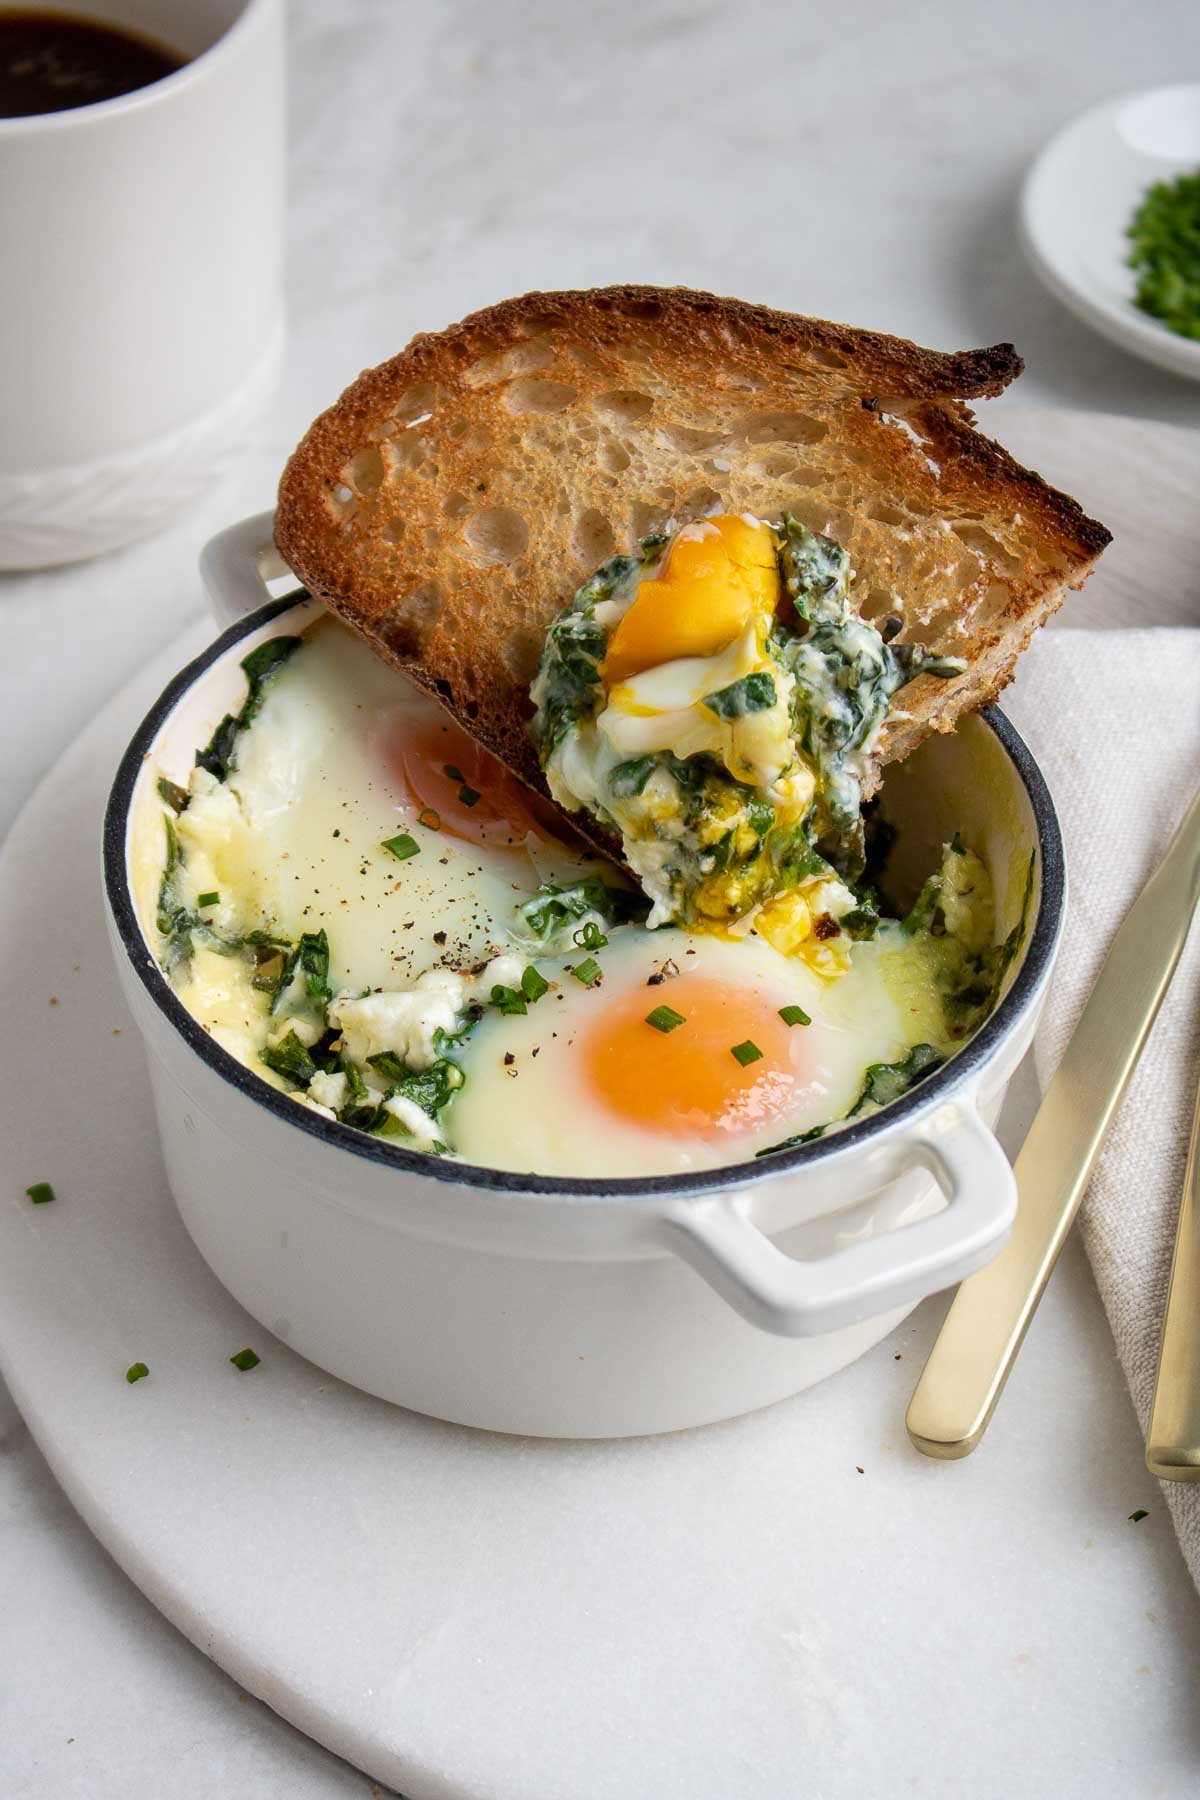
(52, 61)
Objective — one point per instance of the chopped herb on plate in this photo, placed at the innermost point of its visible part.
(136, 1372)
(587, 971)
(245, 1359)
(746, 1053)
(664, 1018)
(40, 1193)
(401, 847)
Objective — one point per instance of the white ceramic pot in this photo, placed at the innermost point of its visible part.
(141, 283)
(577, 1307)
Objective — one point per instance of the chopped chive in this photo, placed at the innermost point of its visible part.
(454, 774)
(665, 1018)
(533, 984)
(794, 1015)
(1136, 1517)
(429, 819)
(245, 1359)
(469, 795)
(401, 847)
(507, 1000)
(40, 1192)
(586, 971)
(590, 936)
(746, 1053)
(213, 899)
(136, 1372)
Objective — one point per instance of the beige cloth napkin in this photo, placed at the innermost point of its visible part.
(1114, 720)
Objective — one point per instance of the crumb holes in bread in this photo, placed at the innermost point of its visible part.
(985, 546)
(456, 506)
(525, 358)
(408, 452)
(886, 515)
(643, 519)
(532, 396)
(365, 470)
(693, 440)
(699, 503)
(342, 502)
(878, 604)
(783, 427)
(592, 539)
(774, 466)
(392, 530)
(496, 534)
(415, 404)
(612, 457)
(625, 406)
(827, 359)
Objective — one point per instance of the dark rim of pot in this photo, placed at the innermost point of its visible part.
(922, 1098)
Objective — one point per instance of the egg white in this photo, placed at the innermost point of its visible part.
(292, 841)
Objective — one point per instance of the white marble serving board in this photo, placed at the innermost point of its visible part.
(737, 1613)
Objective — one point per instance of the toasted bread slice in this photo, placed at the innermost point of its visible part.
(452, 500)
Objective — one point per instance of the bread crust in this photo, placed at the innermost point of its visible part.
(452, 499)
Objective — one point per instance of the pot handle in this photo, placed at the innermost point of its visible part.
(876, 1274)
(237, 564)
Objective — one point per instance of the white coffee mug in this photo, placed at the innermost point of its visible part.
(141, 308)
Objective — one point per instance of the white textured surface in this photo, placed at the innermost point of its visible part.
(862, 162)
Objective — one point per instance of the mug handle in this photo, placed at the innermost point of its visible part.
(874, 1275)
(237, 564)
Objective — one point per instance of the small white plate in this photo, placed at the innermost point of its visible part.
(1079, 197)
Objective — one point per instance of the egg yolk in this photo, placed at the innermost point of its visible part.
(720, 575)
(444, 772)
(687, 1082)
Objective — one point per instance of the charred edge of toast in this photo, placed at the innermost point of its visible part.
(953, 431)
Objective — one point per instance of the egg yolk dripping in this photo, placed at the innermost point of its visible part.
(729, 1065)
(720, 577)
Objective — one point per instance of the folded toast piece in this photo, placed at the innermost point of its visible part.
(452, 500)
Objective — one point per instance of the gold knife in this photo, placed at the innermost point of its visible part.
(1173, 1443)
(983, 1331)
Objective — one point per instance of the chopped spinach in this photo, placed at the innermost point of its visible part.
(313, 955)
(554, 906)
(628, 779)
(290, 1059)
(882, 1083)
(262, 663)
(172, 794)
(753, 693)
(430, 1089)
(885, 1082)
(844, 678)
